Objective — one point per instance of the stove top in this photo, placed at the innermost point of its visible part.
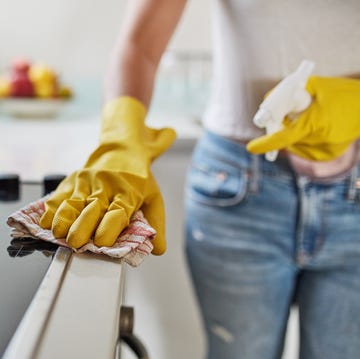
(23, 263)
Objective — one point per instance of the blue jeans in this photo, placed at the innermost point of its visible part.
(259, 238)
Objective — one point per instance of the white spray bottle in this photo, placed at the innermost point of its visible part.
(287, 98)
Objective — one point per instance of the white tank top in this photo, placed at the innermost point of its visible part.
(258, 42)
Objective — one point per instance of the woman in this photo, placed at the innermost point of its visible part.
(259, 233)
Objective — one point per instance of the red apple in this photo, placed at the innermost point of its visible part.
(20, 85)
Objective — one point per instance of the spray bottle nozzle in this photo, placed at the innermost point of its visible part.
(288, 97)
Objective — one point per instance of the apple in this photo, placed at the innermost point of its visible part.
(44, 80)
(42, 73)
(20, 85)
(45, 89)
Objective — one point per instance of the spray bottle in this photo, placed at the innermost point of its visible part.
(288, 98)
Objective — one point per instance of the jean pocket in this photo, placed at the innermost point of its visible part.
(217, 183)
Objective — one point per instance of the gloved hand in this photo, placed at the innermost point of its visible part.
(325, 130)
(116, 181)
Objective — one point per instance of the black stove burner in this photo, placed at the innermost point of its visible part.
(10, 185)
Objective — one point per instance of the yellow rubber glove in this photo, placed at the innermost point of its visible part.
(116, 181)
(325, 130)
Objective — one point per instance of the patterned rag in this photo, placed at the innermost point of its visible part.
(132, 246)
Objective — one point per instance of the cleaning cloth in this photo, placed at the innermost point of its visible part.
(132, 245)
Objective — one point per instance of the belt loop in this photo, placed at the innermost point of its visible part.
(353, 180)
(255, 173)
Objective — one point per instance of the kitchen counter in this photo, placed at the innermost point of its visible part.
(33, 148)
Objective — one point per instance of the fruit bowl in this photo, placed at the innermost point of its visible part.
(32, 90)
(32, 108)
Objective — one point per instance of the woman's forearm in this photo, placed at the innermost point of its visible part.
(136, 56)
(130, 73)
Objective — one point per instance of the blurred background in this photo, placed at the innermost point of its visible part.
(75, 39)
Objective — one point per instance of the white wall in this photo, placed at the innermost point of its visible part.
(76, 36)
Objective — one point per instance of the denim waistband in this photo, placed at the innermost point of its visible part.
(234, 152)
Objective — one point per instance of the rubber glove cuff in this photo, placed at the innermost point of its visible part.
(113, 130)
